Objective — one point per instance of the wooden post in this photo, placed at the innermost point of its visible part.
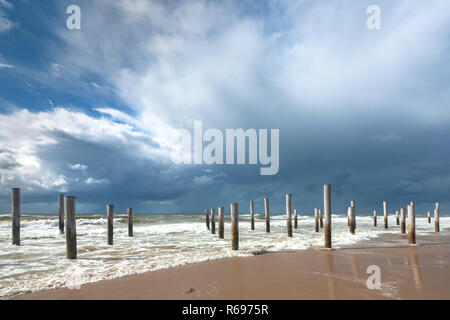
(411, 224)
(234, 226)
(110, 217)
(316, 219)
(213, 221)
(267, 214)
(295, 219)
(436, 217)
(397, 219)
(61, 212)
(374, 218)
(130, 221)
(15, 216)
(349, 218)
(352, 219)
(402, 218)
(221, 226)
(385, 213)
(429, 217)
(71, 230)
(352, 204)
(321, 218)
(207, 218)
(288, 214)
(252, 215)
(327, 213)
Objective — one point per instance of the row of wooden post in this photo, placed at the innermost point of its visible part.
(66, 220)
(210, 223)
(67, 213)
(400, 218)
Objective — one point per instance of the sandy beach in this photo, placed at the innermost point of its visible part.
(407, 272)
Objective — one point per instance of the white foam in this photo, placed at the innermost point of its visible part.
(159, 242)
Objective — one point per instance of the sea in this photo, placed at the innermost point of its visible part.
(159, 241)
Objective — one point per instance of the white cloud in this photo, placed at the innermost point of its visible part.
(5, 23)
(48, 180)
(6, 4)
(204, 60)
(78, 166)
(3, 65)
(207, 179)
(118, 115)
(24, 135)
(202, 180)
(91, 180)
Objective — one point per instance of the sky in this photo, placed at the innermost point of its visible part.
(93, 112)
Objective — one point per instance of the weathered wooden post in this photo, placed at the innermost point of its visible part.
(252, 215)
(288, 214)
(429, 217)
(352, 219)
(385, 213)
(16, 216)
(352, 204)
(207, 218)
(327, 213)
(71, 230)
(267, 214)
(321, 218)
(349, 218)
(213, 221)
(61, 212)
(130, 221)
(436, 217)
(411, 224)
(221, 226)
(295, 219)
(316, 219)
(397, 219)
(234, 226)
(110, 217)
(402, 218)
(374, 218)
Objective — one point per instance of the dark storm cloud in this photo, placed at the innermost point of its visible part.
(366, 111)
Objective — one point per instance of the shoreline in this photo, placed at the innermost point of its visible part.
(407, 272)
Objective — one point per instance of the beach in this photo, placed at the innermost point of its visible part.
(407, 272)
(159, 242)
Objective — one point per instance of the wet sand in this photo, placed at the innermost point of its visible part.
(407, 272)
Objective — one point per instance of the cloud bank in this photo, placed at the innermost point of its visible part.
(364, 110)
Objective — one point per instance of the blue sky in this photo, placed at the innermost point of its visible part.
(92, 112)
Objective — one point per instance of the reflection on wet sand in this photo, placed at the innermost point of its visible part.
(238, 278)
(389, 261)
(331, 279)
(414, 260)
(441, 260)
(355, 268)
